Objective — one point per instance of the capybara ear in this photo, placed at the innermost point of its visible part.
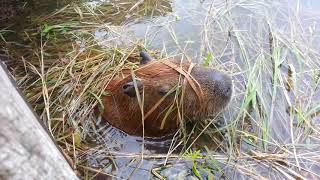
(129, 89)
(145, 57)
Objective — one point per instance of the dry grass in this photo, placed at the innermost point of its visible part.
(271, 127)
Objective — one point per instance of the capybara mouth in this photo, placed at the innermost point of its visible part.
(170, 91)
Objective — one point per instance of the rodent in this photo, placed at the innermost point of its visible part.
(167, 89)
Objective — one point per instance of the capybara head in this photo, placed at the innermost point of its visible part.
(158, 95)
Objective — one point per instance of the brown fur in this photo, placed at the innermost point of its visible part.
(124, 112)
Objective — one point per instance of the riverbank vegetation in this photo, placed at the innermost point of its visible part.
(63, 60)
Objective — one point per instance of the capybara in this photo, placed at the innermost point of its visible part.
(169, 92)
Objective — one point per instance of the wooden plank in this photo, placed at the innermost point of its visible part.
(26, 149)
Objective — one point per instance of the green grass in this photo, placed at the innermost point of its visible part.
(268, 130)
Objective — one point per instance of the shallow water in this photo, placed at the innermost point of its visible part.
(184, 27)
(187, 29)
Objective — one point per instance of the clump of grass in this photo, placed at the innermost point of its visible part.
(65, 84)
(268, 131)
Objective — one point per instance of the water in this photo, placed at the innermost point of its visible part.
(224, 29)
(187, 30)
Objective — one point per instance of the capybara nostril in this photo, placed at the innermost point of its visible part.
(228, 90)
(226, 87)
(222, 84)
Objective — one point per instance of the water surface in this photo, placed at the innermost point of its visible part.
(236, 34)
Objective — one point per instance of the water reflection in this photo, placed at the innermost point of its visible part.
(242, 33)
(240, 36)
(126, 152)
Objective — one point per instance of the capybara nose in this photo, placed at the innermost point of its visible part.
(223, 84)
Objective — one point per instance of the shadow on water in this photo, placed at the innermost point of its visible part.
(124, 153)
(195, 29)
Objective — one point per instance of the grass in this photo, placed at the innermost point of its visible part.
(269, 130)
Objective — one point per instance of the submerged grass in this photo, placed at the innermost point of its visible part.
(270, 130)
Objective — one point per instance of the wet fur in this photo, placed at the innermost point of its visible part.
(124, 112)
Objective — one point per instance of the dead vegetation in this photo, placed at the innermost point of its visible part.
(270, 130)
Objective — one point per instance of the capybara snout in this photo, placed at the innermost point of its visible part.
(159, 94)
(222, 84)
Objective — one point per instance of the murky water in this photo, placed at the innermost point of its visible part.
(187, 30)
(196, 28)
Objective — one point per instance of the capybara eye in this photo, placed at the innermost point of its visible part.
(129, 89)
(126, 86)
